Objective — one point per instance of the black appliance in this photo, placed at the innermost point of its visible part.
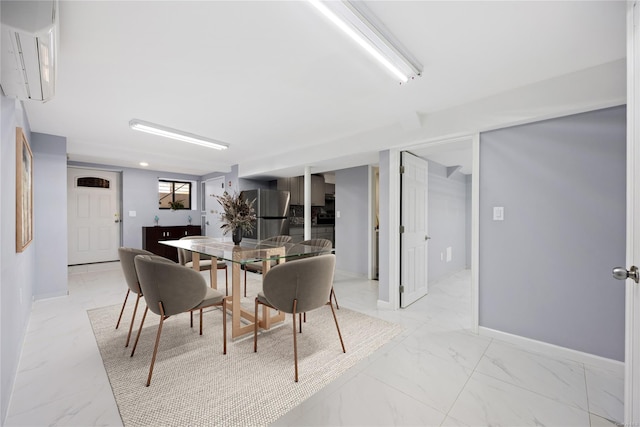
(272, 211)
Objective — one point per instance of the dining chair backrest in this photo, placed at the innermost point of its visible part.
(299, 248)
(178, 288)
(308, 281)
(271, 241)
(128, 267)
(185, 256)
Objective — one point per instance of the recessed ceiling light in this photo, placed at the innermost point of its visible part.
(167, 132)
(144, 164)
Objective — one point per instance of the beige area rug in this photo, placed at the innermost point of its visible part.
(195, 384)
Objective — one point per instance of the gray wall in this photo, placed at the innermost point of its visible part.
(545, 271)
(50, 215)
(351, 229)
(18, 270)
(447, 218)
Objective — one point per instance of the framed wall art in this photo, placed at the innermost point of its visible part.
(24, 192)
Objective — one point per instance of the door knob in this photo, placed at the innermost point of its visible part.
(207, 223)
(427, 237)
(622, 273)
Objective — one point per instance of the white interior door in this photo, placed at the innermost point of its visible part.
(414, 237)
(632, 294)
(213, 187)
(93, 215)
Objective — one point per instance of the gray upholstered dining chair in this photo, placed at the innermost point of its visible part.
(131, 277)
(256, 267)
(297, 287)
(326, 246)
(170, 289)
(185, 258)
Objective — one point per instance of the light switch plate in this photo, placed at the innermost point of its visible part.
(498, 213)
(132, 213)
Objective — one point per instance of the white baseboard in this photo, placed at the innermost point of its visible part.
(551, 349)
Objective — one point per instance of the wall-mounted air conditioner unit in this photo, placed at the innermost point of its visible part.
(29, 37)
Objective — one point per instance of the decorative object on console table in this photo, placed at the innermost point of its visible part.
(237, 215)
(152, 235)
(156, 219)
(176, 205)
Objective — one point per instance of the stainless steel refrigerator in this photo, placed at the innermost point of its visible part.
(272, 213)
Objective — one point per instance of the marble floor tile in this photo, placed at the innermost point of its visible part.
(460, 347)
(561, 380)
(597, 421)
(490, 402)
(428, 379)
(363, 401)
(605, 388)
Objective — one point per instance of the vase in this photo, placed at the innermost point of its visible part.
(237, 236)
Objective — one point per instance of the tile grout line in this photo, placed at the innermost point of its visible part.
(473, 371)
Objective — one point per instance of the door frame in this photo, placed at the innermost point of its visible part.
(632, 290)
(394, 220)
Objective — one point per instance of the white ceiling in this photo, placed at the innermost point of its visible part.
(273, 79)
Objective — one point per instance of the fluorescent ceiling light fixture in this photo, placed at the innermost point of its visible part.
(352, 22)
(144, 164)
(166, 132)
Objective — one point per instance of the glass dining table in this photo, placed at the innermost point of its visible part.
(242, 320)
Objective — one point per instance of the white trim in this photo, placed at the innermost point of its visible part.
(551, 350)
(394, 227)
(475, 235)
(370, 228)
(632, 291)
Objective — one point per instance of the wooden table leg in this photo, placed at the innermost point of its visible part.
(235, 296)
(213, 272)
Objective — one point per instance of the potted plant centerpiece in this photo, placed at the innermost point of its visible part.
(237, 215)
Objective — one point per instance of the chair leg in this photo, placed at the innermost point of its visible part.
(123, 304)
(255, 328)
(200, 321)
(300, 320)
(295, 341)
(335, 298)
(245, 282)
(226, 280)
(337, 327)
(191, 315)
(133, 318)
(144, 316)
(155, 348)
(224, 325)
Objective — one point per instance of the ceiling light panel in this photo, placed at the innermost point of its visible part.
(351, 21)
(179, 135)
